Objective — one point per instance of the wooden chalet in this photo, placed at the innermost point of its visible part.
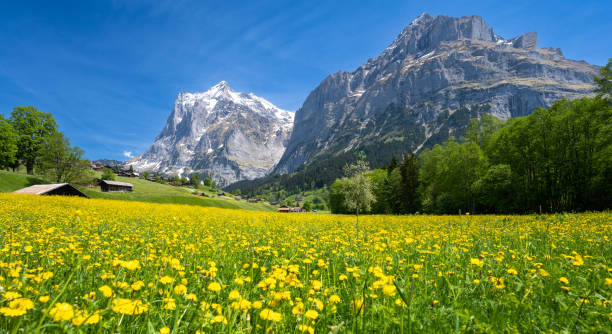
(296, 209)
(284, 209)
(60, 189)
(115, 186)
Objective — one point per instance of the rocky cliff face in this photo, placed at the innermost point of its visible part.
(227, 135)
(435, 76)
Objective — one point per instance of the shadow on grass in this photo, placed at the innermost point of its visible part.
(31, 180)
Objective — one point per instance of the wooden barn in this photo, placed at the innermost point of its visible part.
(115, 186)
(61, 189)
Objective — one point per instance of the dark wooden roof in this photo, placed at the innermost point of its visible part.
(116, 183)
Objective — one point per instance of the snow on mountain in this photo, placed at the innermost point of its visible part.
(227, 135)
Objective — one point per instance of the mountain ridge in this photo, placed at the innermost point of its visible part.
(432, 69)
(221, 133)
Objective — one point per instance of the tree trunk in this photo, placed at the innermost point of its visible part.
(30, 169)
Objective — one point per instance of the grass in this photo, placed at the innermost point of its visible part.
(144, 191)
(152, 192)
(10, 181)
(75, 265)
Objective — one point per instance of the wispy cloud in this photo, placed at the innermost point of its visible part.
(127, 154)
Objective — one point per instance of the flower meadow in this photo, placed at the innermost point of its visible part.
(78, 265)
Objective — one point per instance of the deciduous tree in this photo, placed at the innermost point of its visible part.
(33, 128)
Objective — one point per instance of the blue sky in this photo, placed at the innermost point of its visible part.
(109, 71)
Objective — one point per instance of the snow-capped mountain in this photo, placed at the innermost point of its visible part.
(227, 135)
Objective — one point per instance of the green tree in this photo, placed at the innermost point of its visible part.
(481, 131)
(8, 144)
(33, 128)
(108, 174)
(146, 174)
(336, 197)
(377, 178)
(213, 184)
(61, 162)
(494, 191)
(207, 181)
(393, 164)
(195, 180)
(560, 157)
(358, 189)
(604, 81)
(448, 172)
(409, 190)
(307, 205)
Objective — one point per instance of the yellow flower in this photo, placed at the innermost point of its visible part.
(137, 285)
(234, 295)
(218, 319)
(512, 271)
(578, 260)
(311, 314)
(164, 330)
(62, 312)
(106, 291)
(334, 299)
(476, 262)
(257, 304)
(12, 295)
(21, 303)
(316, 285)
(128, 306)
(83, 318)
(9, 312)
(214, 287)
(389, 290)
(180, 289)
(43, 299)
(268, 314)
(169, 304)
(342, 277)
(564, 280)
(608, 281)
(192, 297)
(306, 329)
(166, 280)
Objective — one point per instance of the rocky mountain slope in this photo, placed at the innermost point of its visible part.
(436, 75)
(227, 135)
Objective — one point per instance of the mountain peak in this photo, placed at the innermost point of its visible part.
(222, 86)
(426, 32)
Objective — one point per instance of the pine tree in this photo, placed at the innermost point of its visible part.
(409, 197)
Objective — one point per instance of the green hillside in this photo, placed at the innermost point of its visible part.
(144, 191)
(10, 181)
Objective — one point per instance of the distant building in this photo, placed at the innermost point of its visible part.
(95, 166)
(114, 186)
(285, 209)
(220, 194)
(273, 203)
(61, 189)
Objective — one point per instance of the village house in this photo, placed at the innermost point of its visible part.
(285, 209)
(115, 186)
(61, 189)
